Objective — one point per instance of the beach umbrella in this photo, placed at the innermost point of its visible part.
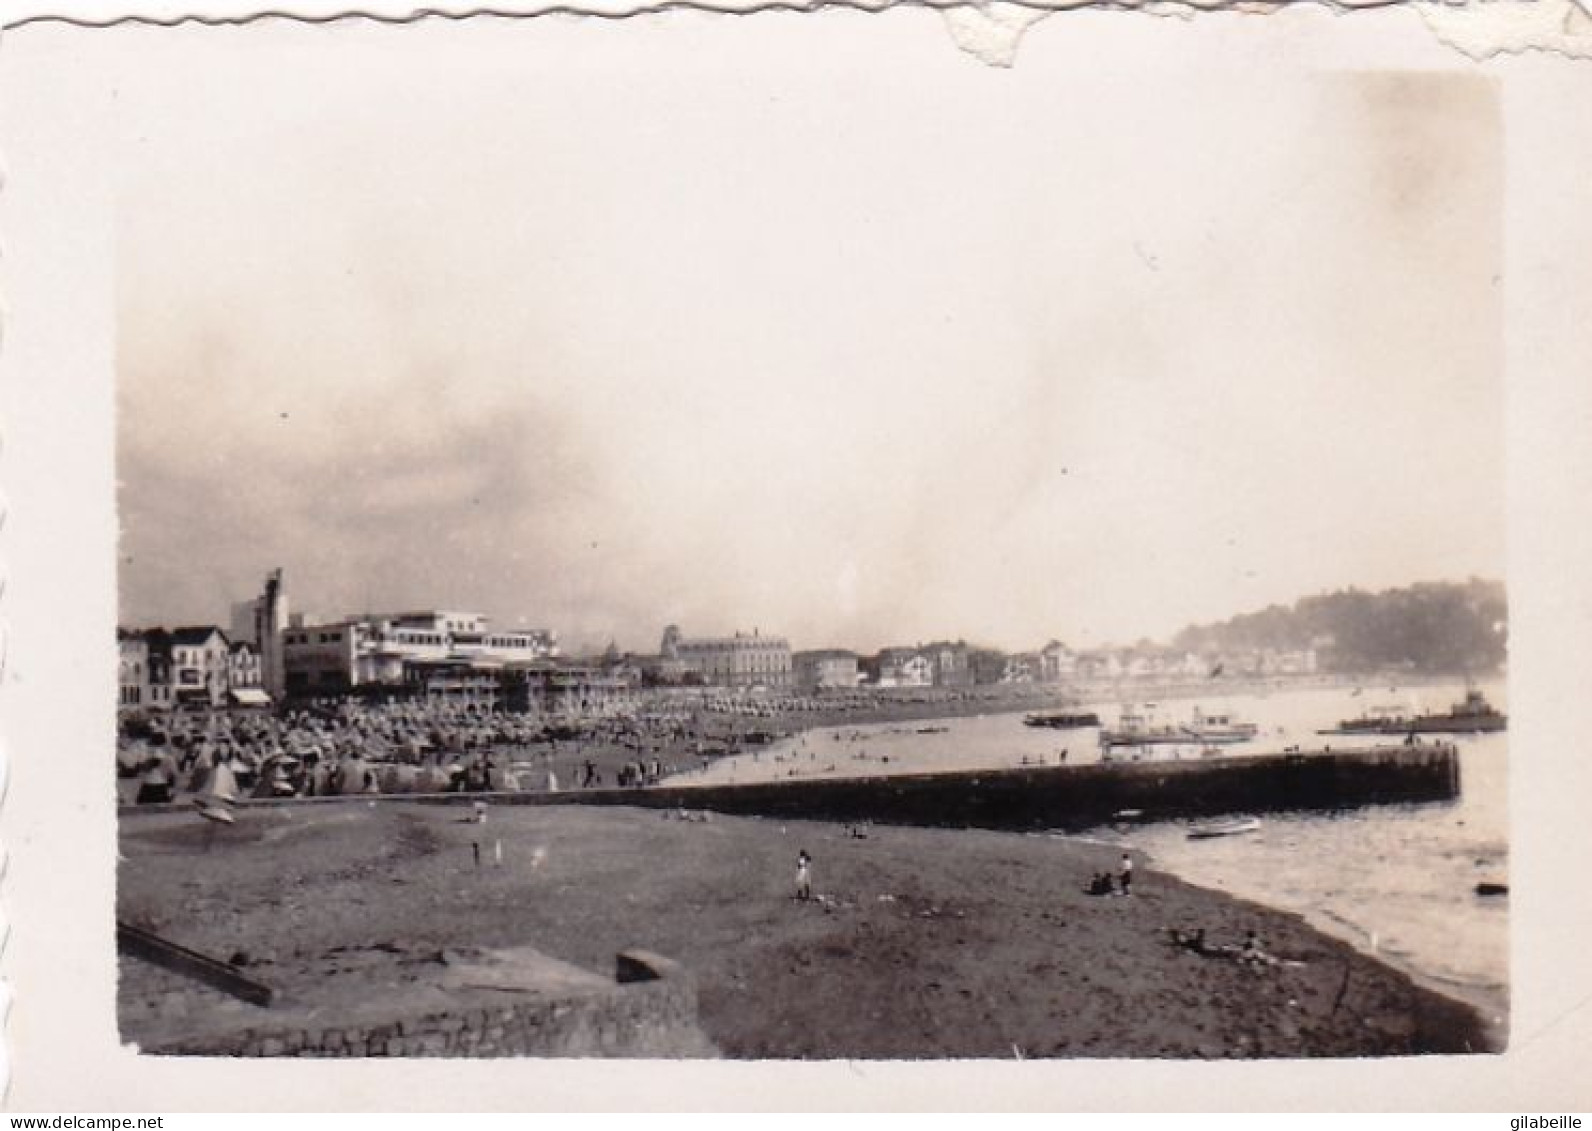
(215, 804)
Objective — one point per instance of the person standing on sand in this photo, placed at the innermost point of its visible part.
(804, 882)
(1125, 874)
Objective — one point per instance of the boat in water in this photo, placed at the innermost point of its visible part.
(1471, 716)
(1061, 720)
(1219, 728)
(1232, 826)
(1139, 728)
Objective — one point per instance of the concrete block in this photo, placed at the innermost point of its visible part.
(645, 966)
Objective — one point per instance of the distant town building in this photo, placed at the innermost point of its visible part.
(1023, 667)
(1057, 662)
(901, 667)
(741, 660)
(987, 664)
(668, 668)
(950, 664)
(1098, 665)
(622, 667)
(824, 669)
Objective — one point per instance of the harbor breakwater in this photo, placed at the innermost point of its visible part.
(1084, 796)
(1066, 798)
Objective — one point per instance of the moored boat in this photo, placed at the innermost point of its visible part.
(1231, 826)
(1138, 728)
(1220, 727)
(1061, 720)
(1473, 715)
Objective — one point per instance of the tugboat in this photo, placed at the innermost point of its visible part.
(1061, 720)
(1472, 716)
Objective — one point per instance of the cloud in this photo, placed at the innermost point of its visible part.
(802, 362)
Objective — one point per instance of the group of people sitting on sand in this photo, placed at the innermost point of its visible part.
(1249, 952)
(1103, 883)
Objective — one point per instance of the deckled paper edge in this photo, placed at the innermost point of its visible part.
(989, 30)
(1480, 29)
(5, 679)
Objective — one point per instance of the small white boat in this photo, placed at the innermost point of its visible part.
(1232, 826)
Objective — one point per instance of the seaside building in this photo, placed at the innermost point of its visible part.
(132, 669)
(397, 649)
(549, 688)
(582, 690)
(824, 669)
(193, 664)
(160, 696)
(453, 681)
(741, 660)
(244, 676)
(260, 621)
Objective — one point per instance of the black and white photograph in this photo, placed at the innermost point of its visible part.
(668, 540)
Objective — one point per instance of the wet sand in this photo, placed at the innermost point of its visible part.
(921, 943)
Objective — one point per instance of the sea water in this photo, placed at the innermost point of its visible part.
(1398, 881)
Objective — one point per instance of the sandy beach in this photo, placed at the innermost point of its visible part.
(921, 942)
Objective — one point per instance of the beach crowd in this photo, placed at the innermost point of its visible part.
(347, 747)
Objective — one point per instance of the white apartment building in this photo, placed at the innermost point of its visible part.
(374, 649)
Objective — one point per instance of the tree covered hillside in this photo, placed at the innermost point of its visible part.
(1438, 627)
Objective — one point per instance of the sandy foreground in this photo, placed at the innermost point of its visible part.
(922, 943)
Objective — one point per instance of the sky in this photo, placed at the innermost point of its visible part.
(585, 334)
